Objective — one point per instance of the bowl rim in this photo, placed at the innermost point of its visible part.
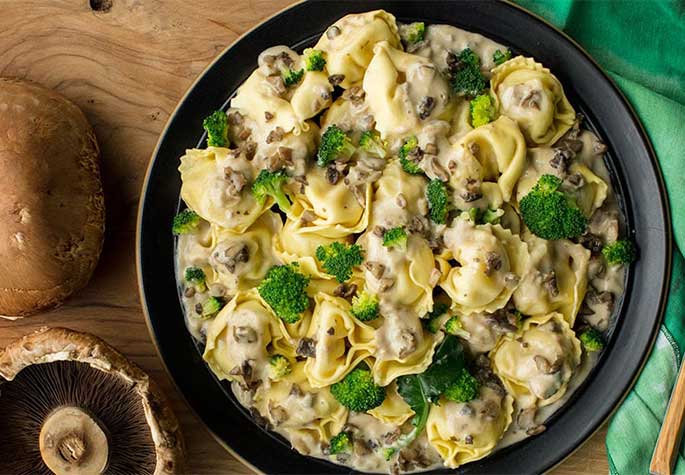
(635, 119)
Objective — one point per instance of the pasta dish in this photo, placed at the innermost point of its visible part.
(401, 247)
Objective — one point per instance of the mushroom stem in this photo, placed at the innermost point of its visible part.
(72, 442)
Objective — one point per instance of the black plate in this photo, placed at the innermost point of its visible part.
(636, 175)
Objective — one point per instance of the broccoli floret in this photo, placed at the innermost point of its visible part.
(341, 444)
(284, 289)
(454, 327)
(413, 32)
(491, 216)
(592, 339)
(472, 214)
(619, 252)
(185, 222)
(500, 57)
(464, 389)
(291, 77)
(335, 145)
(409, 148)
(371, 143)
(549, 213)
(467, 80)
(358, 392)
(212, 306)
(431, 320)
(365, 306)
(482, 110)
(438, 201)
(271, 184)
(196, 277)
(395, 237)
(279, 367)
(338, 259)
(314, 60)
(486, 216)
(216, 126)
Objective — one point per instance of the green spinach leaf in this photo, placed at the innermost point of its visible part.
(422, 390)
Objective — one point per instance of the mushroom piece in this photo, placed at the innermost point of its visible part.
(52, 205)
(70, 404)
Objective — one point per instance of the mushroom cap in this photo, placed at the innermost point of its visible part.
(51, 205)
(49, 345)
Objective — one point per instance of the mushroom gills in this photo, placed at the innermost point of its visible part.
(75, 412)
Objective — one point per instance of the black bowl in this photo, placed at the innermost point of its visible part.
(631, 160)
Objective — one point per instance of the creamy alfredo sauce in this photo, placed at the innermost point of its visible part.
(487, 272)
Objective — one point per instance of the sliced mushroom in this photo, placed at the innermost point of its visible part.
(332, 32)
(336, 79)
(493, 262)
(406, 343)
(345, 291)
(544, 366)
(549, 282)
(306, 348)
(244, 334)
(276, 135)
(376, 268)
(235, 181)
(472, 191)
(425, 107)
(531, 100)
(592, 242)
(277, 413)
(355, 94)
(386, 284)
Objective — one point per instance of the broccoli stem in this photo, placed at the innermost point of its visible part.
(282, 201)
(419, 422)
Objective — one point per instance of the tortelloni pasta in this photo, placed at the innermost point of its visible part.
(240, 261)
(349, 43)
(588, 190)
(494, 152)
(260, 94)
(309, 416)
(530, 94)
(402, 346)
(239, 337)
(465, 432)
(292, 246)
(366, 193)
(394, 409)
(557, 278)
(399, 200)
(332, 211)
(492, 261)
(342, 341)
(403, 90)
(537, 363)
(271, 103)
(269, 146)
(403, 277)
(312, 96)
(484, 330)
(215, 187)
(349, 112)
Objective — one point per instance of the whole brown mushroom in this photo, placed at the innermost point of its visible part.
(51, 202)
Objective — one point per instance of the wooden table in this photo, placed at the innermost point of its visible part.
(126, 63)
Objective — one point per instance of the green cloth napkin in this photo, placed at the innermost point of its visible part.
(641, 44)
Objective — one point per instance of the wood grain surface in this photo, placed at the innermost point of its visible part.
(126, 63)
